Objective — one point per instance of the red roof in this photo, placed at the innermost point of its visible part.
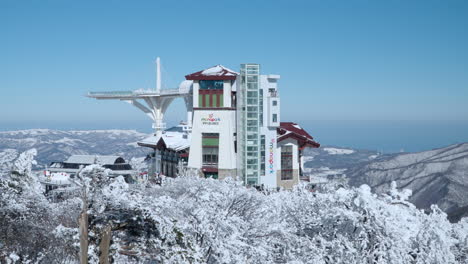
(293, 130)
(218, 72)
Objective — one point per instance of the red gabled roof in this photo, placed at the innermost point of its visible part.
(218, 72)
(293, 130)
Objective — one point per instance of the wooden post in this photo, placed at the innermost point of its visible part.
(104, 245)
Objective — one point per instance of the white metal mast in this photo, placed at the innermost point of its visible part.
(158, 75)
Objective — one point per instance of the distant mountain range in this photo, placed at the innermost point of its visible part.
(436, 177)
(57, 145)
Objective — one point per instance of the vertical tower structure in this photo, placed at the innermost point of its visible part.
(213, 147)
(153, 103)
(257, 121)
(248, 124)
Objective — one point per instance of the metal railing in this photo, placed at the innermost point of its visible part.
(110, 94)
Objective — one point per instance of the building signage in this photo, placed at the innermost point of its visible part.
(270, 160)
(210, 120)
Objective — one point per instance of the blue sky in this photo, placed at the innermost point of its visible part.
(338, 60)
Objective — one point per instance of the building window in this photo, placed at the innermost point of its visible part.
(211, 84)
(210, 93)
(272, 92)
(210, 149)
(210, 156)
(275, 118)
(210, 98)
(286, 163)
(275, 103)
(260, 116)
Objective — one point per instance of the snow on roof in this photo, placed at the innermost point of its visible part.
(293, 130)
(218, 72)
(172, 139)
(94, 159)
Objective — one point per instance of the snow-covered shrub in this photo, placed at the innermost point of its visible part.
(28, 219)
(203, 220)
(195, 220)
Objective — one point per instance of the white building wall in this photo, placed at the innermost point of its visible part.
(273, 105)
(196, 87)
(269, 180)
(227, 93)
(288, 142)
(224, 124)
(271, 161)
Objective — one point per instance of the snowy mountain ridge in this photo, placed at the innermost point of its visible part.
(58, 145)
(437, 176)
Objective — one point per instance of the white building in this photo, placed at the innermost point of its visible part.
(233, 128)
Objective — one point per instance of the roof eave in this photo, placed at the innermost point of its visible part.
(302, 141)
(192, 77)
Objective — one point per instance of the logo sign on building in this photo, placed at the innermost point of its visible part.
(210, 120)
(271, 156)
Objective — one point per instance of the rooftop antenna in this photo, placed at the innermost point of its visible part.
(158, 75)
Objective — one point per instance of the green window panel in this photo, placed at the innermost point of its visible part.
(214, 142)
(221, 100)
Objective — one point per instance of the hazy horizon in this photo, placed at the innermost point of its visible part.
(386, 136)
(347, 61)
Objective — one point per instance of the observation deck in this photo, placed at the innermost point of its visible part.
(154, 102)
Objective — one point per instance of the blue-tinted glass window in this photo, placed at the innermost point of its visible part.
(211, 84)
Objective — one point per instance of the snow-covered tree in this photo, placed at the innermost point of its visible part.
(194, 220)
(27, 219)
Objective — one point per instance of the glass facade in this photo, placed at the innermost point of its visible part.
(249, 123)
(260, 115)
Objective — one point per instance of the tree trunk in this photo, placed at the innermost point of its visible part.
(83, 221)
(104, 245)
